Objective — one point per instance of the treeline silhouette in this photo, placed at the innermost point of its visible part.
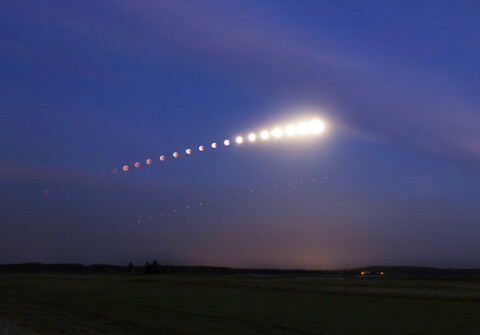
(62, 267)
(155, 268)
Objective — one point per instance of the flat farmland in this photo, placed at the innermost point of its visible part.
(235, 304)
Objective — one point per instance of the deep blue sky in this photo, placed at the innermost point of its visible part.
(88, 86)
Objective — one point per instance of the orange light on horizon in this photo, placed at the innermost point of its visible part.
(125, 168)
(188, 151)
(162, 158)
(214, 145)
(201, 148)
(149, 161)
(175, 154)
(137, 164)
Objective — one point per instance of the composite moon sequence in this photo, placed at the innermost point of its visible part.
(239, 167)
(313, 127)
(121, 111)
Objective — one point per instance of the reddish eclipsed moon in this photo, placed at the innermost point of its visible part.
(313, 127)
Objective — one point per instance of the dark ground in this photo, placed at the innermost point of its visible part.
(52, 303)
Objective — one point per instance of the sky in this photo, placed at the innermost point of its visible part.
(87, 87)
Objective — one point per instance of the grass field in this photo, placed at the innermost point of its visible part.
(235, 304)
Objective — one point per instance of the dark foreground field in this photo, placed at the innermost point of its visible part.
(235, 304)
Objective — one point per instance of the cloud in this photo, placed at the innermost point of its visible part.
(423, 111)
(372, 97)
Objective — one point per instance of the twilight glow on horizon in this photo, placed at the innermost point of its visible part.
(280, 134)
